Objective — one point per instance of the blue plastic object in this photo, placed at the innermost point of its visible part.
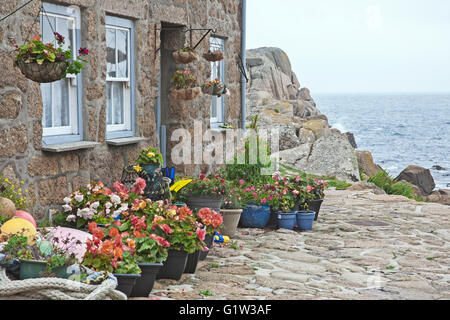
(287, 220)
(255, 216)
(305, 219)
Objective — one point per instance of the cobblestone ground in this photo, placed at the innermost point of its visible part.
(364, 246)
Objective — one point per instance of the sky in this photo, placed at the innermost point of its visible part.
(358, 46)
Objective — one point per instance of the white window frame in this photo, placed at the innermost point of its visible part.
(71, 82)
(218, 43)
(127, 101)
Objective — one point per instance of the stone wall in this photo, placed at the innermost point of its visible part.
(49, 177)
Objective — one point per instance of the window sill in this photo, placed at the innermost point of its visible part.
(71, 146)
(125, 141)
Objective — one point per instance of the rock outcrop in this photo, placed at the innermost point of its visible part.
(420, 177)
(307, 142)
(366, 163)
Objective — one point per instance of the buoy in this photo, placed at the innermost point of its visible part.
(7, 208)
(19, 226)
(25, 215)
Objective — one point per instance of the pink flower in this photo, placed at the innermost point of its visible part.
(201, 234)
(296, 192)
(255, 195)
(242, 182)
(285, 191)
(139, 186)
(45, 51)
(83, 51)
(263, 201)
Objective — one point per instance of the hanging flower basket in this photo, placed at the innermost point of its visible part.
(185, 57)
(43, 73)
(214, 56)
(185, 94)
(213, 89)
(43, 62)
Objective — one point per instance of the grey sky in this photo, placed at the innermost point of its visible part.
(358, 45)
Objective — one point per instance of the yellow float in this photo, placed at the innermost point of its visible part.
(19, 226)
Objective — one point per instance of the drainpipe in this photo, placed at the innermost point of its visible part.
(244, 58)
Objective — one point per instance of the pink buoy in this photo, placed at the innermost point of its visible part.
(25, 215)
(68, 238)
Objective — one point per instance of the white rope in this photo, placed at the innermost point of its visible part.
(57, 289)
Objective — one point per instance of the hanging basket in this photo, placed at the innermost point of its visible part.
(213, 90)
(184, 57)
(43, 73)
(214, 56)
(185, 94)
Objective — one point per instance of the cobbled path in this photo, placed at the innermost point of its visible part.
(364, 246)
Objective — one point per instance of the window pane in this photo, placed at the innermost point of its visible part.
(62, 27)
(111, 52)
(47, 33)
(118, 102)
(122, 51)
(46, 90)
(61, 103)
(108, 103)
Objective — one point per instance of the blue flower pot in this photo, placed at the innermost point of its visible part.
(150, 168)
(287, 220)
(255, 216)
(305, 219)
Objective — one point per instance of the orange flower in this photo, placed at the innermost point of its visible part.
(37, 38)
(113, 232)
(107, 247)
(131, 243)
(118, 253)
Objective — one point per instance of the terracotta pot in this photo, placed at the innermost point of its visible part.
(184, 57)
(230, 221)
(44, 73)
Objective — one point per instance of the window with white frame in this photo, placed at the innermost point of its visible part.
(61, 103)
(119, 77)
(217, 72)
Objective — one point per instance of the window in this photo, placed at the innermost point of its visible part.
(119, 78)
(61, 99)
(217, 71)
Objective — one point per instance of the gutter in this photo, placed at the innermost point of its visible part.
(244, 59)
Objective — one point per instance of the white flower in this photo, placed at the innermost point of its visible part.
(108, 205)
(116, 214)
(67, 208)
(115, 199)
(124, 207)
(67, 200)
(95, 205)
(79, 214)
(107, 211)
(87, 213)
(79, 197)
(71, 218)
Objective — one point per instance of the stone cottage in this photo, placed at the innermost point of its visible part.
(59, 136)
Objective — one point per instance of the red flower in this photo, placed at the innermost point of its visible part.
(83, 51)
(59, 37)
(161, 241)
(92, 226)
(201, 233)
(113, 232)
(202, 177)
(166, 229)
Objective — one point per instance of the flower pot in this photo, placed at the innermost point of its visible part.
(254, 216)
(305, 219)
(126, 282)
(314, 205)
(185, 94)
(230, 221)
(181, 57)
(214, 56)
(30, 269)
(192, 261)
(150, 168)
(209, 240)
(203, 201)
(174, 266)
(144, 284)
(287, 220)
(44, 73)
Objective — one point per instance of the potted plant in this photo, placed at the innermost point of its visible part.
(305, 218)
(110, 253)
(213, 222)
(316, 191)
(204, 192)
(213, 56)
(256, 213)
(282, 203)
(180, 228)
(231, 211)
(149, 161)
(185, 55)
(45, 63)
(38, 259)
(184, 86)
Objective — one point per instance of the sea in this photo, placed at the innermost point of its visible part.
(398, 129)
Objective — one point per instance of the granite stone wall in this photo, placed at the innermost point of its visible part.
(50, 176)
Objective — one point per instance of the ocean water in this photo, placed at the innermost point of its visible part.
(399, 129)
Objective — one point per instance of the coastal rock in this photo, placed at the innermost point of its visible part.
(351, 139)
(420, 177)
(364, 185)
(440, 196)
(307, 142)
(366, 163)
